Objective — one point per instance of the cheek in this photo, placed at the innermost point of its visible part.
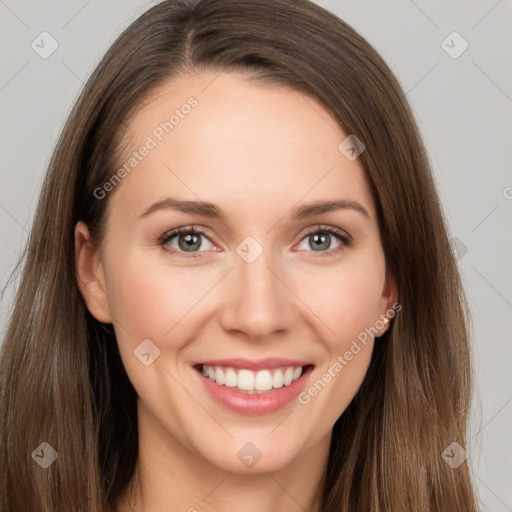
(152, 299)
(347, 299)
(348, 302)
(149, 299)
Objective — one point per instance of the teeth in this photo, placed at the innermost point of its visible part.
(288, 377)
(263, 381)
(219, 376)
(230, 378)
(277, 379)
(245, 380)
(249, 381)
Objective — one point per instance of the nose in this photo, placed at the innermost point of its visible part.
(260, 301)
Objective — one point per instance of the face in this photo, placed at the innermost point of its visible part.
(258, 290)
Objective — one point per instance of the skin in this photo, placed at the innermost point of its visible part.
(257, 151)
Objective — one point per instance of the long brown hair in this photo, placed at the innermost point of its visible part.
(62, 380)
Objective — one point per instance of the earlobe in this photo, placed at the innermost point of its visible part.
(389, 302)
(89, 274)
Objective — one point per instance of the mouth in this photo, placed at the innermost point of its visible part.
(249, 387)
(249, 381)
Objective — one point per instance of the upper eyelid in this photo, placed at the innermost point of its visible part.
(325, 227)
(171, 233)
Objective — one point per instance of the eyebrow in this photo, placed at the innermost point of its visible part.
(211, 210)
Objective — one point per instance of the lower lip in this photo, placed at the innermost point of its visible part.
(254, 403)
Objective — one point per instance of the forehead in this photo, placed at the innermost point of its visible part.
(229, 140)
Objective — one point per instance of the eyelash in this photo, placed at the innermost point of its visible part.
(345, 239)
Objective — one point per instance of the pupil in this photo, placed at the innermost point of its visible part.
(190, 241)
(323, 239)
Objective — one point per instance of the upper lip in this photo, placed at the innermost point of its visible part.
(253, 364)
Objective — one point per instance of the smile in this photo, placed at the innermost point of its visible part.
(250, 381)
(249, 387)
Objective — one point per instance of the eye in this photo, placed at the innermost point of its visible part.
(320, 238)
(187, 239)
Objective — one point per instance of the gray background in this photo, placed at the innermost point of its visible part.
(463, 107)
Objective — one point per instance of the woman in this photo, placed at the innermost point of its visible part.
(238, 291)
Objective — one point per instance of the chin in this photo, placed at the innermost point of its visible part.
(249, 454)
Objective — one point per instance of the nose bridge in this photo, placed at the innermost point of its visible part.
(259, 303)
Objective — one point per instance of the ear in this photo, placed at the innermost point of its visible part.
(89, 274)
(389, 301)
